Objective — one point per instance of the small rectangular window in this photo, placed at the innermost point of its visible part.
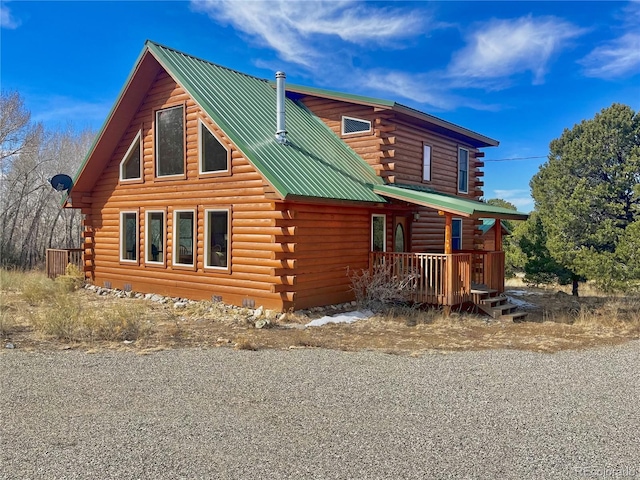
(154, 237)
(456, 234)
(463, 170)
(378, 233)
(217, 238)
(355, 125)
(130, 166)
(129, 237)
(426, 163)
(214, 157)
(183, 237)
(170, 141)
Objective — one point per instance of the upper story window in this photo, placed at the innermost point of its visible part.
(355, 125)
(463, 170)
(214, 157)
(170, 141)
(130, 166)
(426, 163)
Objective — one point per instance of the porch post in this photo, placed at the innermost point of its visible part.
(498, 234)
(448, 235)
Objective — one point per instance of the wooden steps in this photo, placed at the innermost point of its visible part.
(495, 304)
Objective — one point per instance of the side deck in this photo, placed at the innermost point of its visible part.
(59, 258)
(443, 279)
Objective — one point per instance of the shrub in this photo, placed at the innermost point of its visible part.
(379, 287)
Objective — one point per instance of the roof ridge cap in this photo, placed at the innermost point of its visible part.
(223, 67)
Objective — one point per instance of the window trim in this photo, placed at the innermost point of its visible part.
(361, 132)
(212, 173)
(384, 226)
(184, 142)
(466, 190)
(207, 243)
(176, 239)
(147, 236)
(425, 177)
(137, 138)
(453, 220)
(121, 243)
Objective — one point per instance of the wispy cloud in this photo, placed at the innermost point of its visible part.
(7, 20)
(616, 58)
(292, 28)
(620, 56)
(500, 49)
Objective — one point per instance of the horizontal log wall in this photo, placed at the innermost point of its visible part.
(253, 275)
(394, 148)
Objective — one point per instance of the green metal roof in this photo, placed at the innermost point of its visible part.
(487, 223)
(316, 163)
(448, 203)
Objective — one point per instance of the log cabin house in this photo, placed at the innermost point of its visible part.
(187, 192)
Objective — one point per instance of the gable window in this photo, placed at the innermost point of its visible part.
(426, 163)
(355, 125)
(130, 166)
(214, 157)
(183, 237)
(463, 170)
(154, 237)
(456, 234)
(378, 233)
(170, 141)
(216, 227)
(129, 237)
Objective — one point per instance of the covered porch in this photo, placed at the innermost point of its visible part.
(450, 277)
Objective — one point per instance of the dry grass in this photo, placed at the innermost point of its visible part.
(38, 313)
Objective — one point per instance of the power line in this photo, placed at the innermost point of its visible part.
(513, 159)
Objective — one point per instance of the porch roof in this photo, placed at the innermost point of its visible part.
(463, 207)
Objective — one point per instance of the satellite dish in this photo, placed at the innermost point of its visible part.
(61, 182)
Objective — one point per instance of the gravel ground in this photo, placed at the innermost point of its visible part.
(311, 413)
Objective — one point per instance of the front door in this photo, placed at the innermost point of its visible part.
(400, 235)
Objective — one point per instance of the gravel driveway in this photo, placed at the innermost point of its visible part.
(220, 413)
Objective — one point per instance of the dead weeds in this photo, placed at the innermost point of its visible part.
(557, 322)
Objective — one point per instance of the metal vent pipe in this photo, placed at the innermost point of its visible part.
(281, 129)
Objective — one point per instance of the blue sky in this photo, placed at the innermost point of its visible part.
(519, 72)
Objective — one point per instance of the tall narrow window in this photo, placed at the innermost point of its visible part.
(170, 141)
(131, 162)
(463, 170)
(378, 233)
(129, 237)
(214, 157)
(426, 163)
(217, 238)
(183, 237)
(456, 234)
(154, 237)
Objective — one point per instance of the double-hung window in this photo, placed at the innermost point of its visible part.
(463, 170)
(170, 141)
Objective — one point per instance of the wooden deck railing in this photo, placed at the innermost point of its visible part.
(59, 258)
(441, 279)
